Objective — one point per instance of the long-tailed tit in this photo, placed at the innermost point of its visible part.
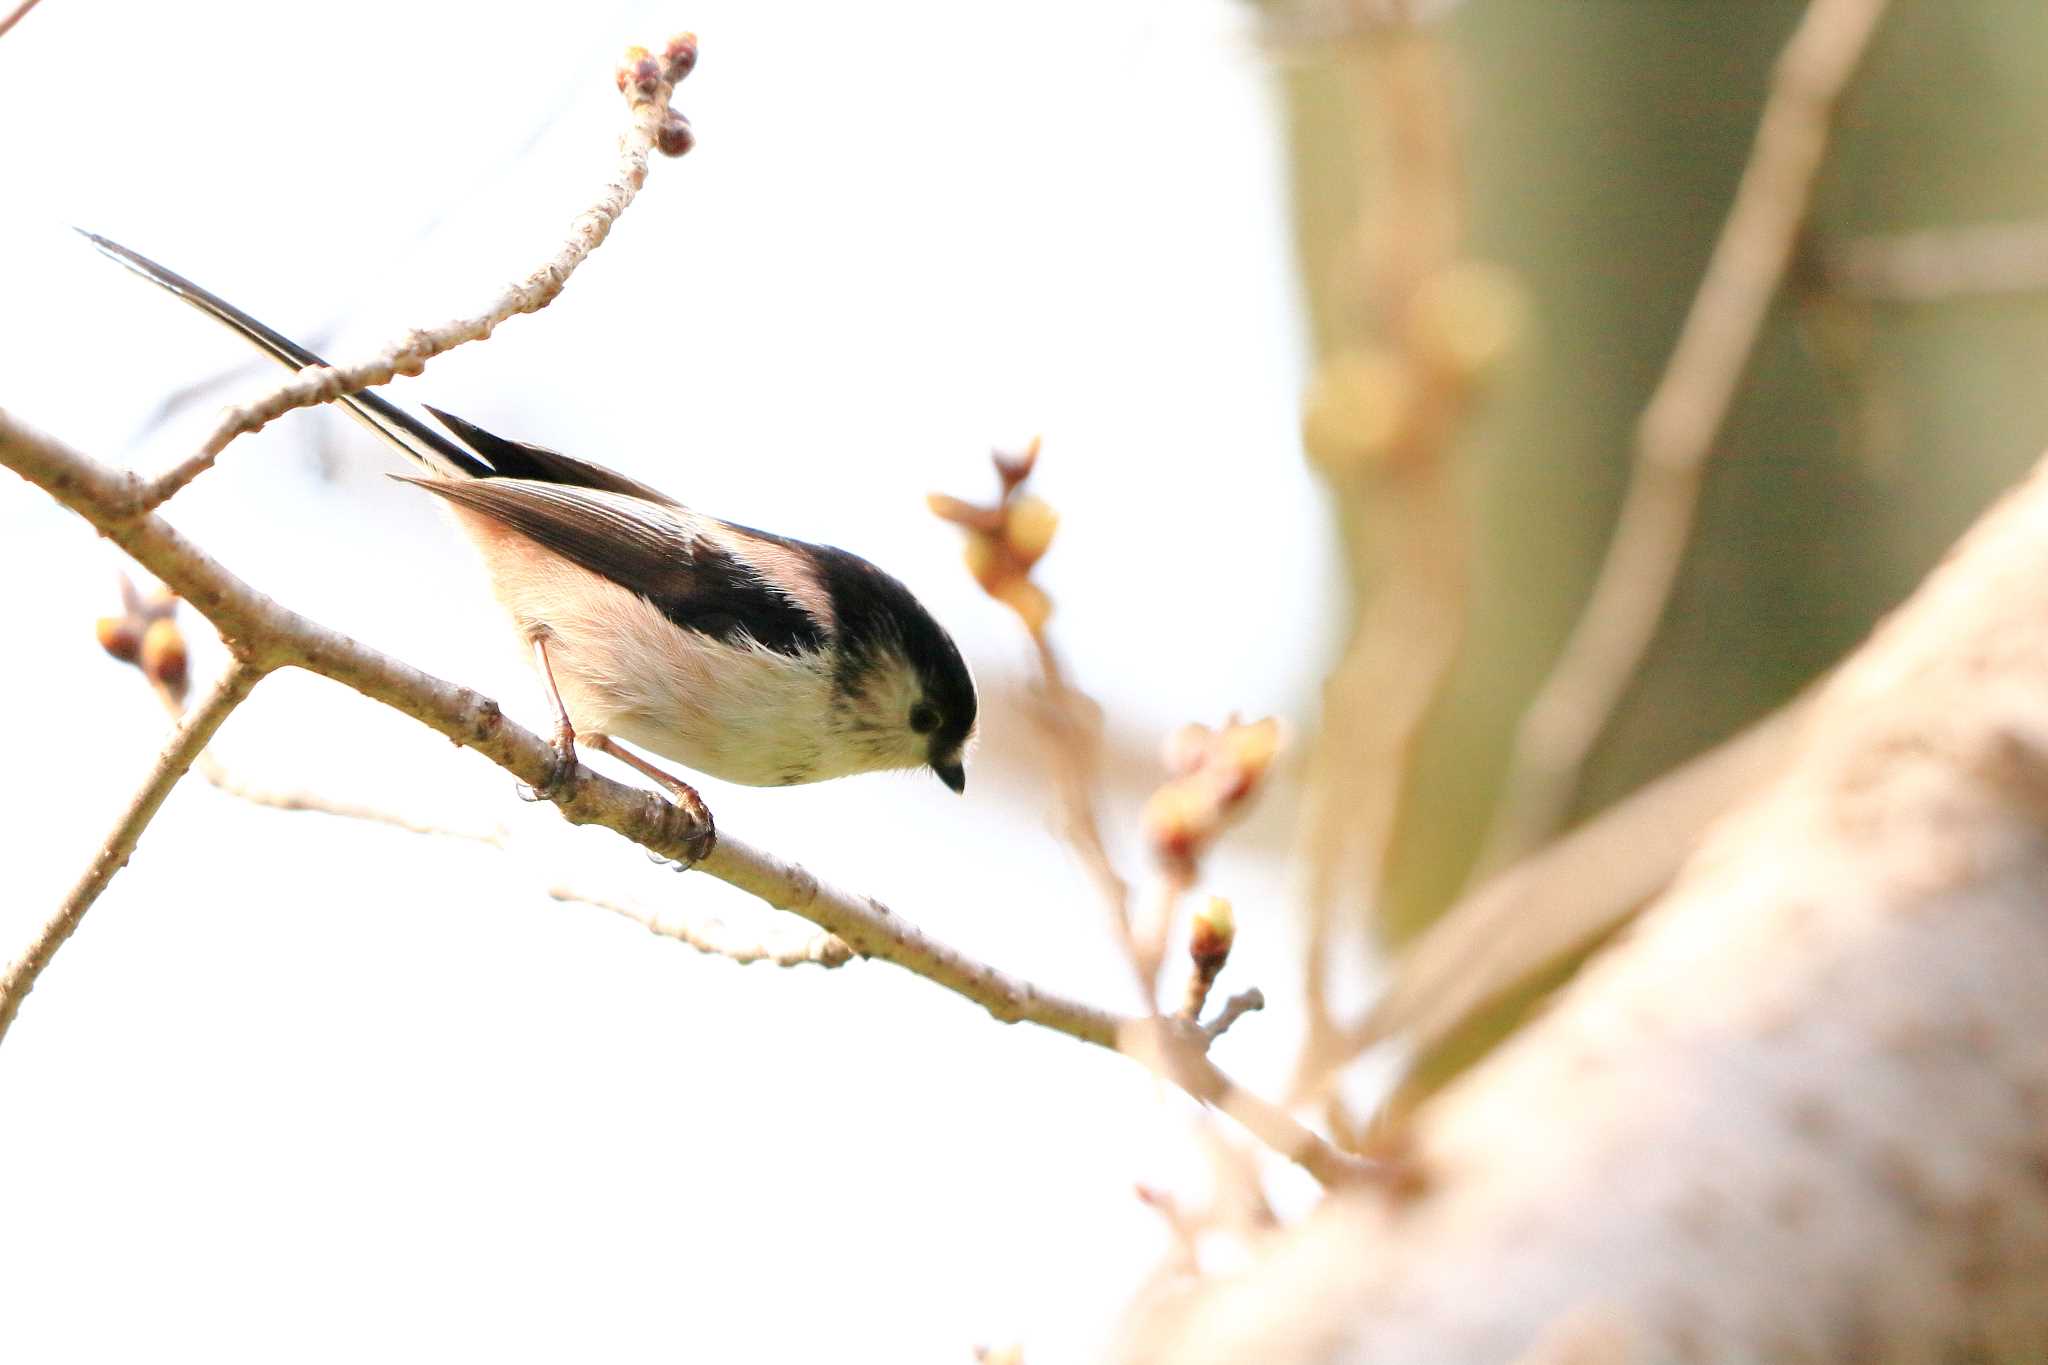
(745, 655)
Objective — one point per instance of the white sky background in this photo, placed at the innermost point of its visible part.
(304, 1089)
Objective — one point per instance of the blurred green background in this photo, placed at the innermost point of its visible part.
(1602, 141)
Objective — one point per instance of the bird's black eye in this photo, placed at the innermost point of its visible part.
(924, 718)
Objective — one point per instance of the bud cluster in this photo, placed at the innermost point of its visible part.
(647, 79)
(1211, 775)
(146, 634)
(1004, 541)
(1362, 403)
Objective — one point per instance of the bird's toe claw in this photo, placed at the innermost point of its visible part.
(561, 776)
(694, 828)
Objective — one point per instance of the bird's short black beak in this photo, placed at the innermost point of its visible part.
(953, 774)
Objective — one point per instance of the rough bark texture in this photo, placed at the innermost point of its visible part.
(1800, 1112)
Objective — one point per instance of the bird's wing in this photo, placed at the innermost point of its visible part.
(703, 575)
(520, 460)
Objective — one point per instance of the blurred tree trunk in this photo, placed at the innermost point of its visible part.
(1602, 140)
(1800, 1112)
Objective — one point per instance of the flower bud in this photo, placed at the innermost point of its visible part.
(1186, 748)
(984, 559)
(679, 58)
(1028, 525)
(1354, 409)
(1013, 467)
(639, 74)
(1466, 317)
(1210, 775)
(629, 66)
(1250, 748)
(163, 656)
(1177, 819)
(1214, 931)
(675, 137)
(120, 636)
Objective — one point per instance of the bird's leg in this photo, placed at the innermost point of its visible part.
(565, 731)
(701, 834)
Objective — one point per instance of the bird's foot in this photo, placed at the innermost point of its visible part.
(561, 778)
(688, 817)
(694, 828)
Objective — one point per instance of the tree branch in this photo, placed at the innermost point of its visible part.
(1561, 899)
(185, 745)
(707, 934)
(1937, 264)
(16, 15)
(1677, 432)
(1381, 420)
(267, 635)
(651, 125)
(714, 938)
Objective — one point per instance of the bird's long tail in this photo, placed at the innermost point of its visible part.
(420, 442)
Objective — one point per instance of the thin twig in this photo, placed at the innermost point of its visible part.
(1186, 1227)
(1067, 717)
(1178, 1052)
(1678, 429)
(708, 935)
(15, 16)
(218, 776)
(184, 746)
(1937, 264)
(1004, 542)
(1405, 531)
(651, 125)
(1562, 898)
(1234, 1009)
(268, 635)
(714, 937)
(1305, 29)
(294, 800)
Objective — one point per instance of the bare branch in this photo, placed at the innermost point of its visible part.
(1405, 528)
(185, 745)
(1677, 432)
(714, 937)
(1005, 541)
(288, 799)
(267, 635)
(15, 16)
(1938, 263)
(1213, 773)
(1298, 24)
(705, 934)
(1070, 722)
(1178, 1051)
(651, 125)
(1234, 1009)
(1559, 900)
